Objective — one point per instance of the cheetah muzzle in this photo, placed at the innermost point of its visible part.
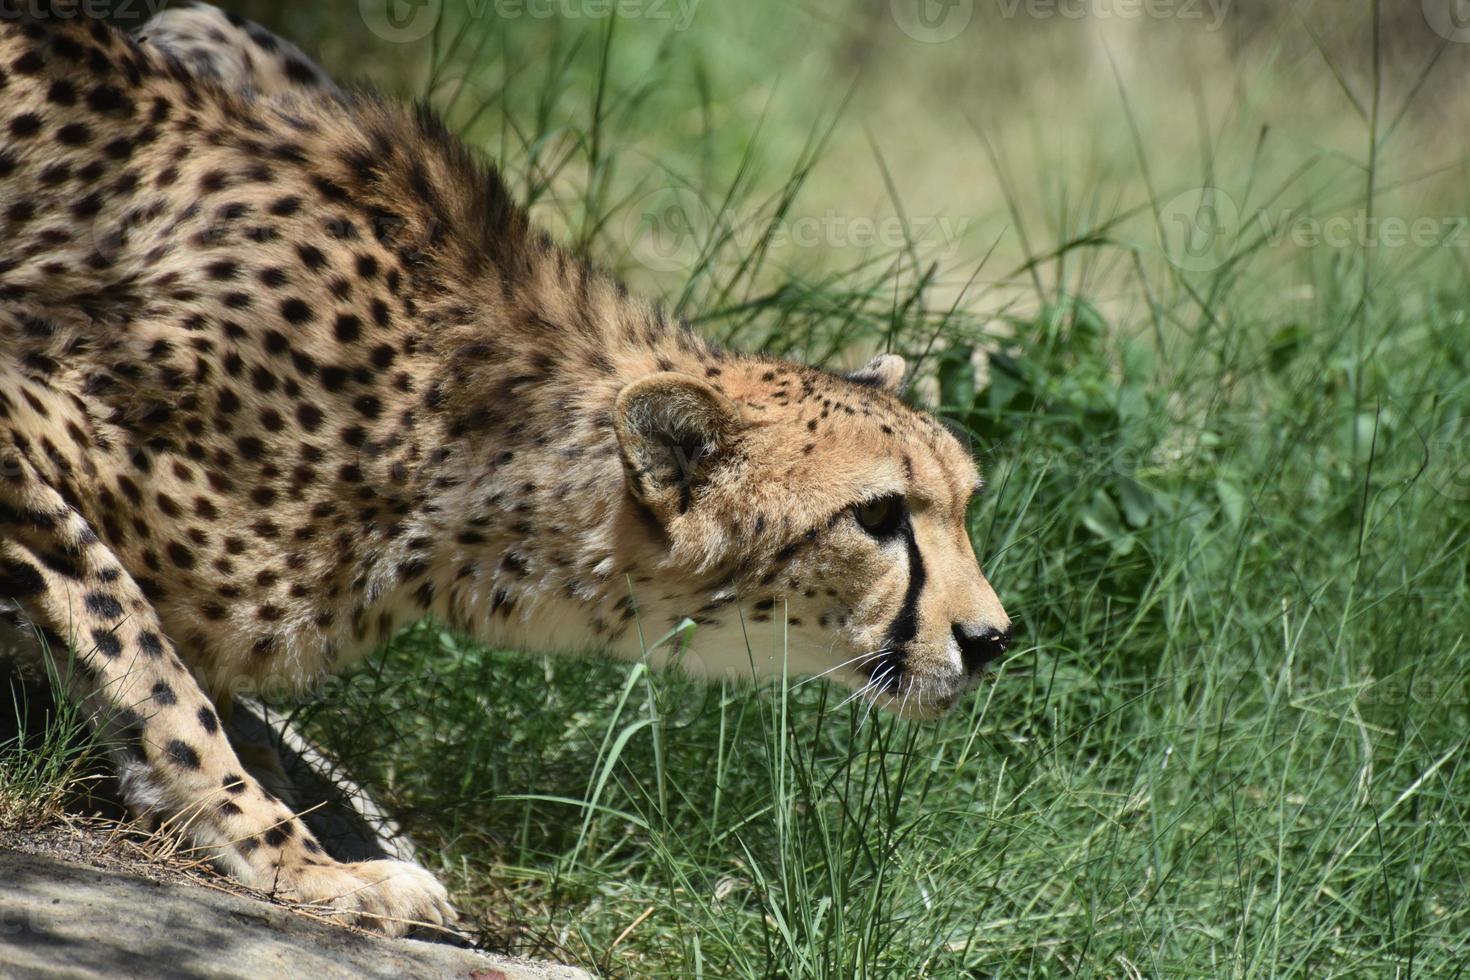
(283, 368)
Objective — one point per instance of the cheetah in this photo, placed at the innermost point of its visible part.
(284, 369)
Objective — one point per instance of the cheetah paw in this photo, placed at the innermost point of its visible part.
(392, 897)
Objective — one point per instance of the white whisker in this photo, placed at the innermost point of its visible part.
(879, 682)
(862, 656)
(866, 711)
(857, 694)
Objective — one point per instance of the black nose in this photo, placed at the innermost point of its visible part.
(979, 646)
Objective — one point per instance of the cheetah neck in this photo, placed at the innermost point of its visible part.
(532, 539)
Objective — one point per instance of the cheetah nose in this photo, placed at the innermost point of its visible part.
(980, 645)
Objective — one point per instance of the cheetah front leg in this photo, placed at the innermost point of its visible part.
(162, 730)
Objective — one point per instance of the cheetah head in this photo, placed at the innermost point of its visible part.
(823, 522)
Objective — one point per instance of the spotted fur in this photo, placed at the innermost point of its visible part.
(283, 368)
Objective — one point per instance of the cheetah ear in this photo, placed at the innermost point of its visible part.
(885, 371)
(675, 431)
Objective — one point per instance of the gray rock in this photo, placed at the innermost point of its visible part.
(59, 919)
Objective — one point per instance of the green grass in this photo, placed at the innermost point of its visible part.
(1229, 507)
(47, 757)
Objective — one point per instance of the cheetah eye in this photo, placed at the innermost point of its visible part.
(882, 517)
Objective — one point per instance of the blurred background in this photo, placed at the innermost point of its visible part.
(1001, 130)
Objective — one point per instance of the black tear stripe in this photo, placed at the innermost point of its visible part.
(906, 624)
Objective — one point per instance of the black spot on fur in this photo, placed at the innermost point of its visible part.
(25, 126)
(74, 134)
(29, 63)
(301, 72)
(19, 580)
(182, 755)
(180, 555)
(296, 312)
(277, 836)
(312, 257)
(107, 643)
(104, 605)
